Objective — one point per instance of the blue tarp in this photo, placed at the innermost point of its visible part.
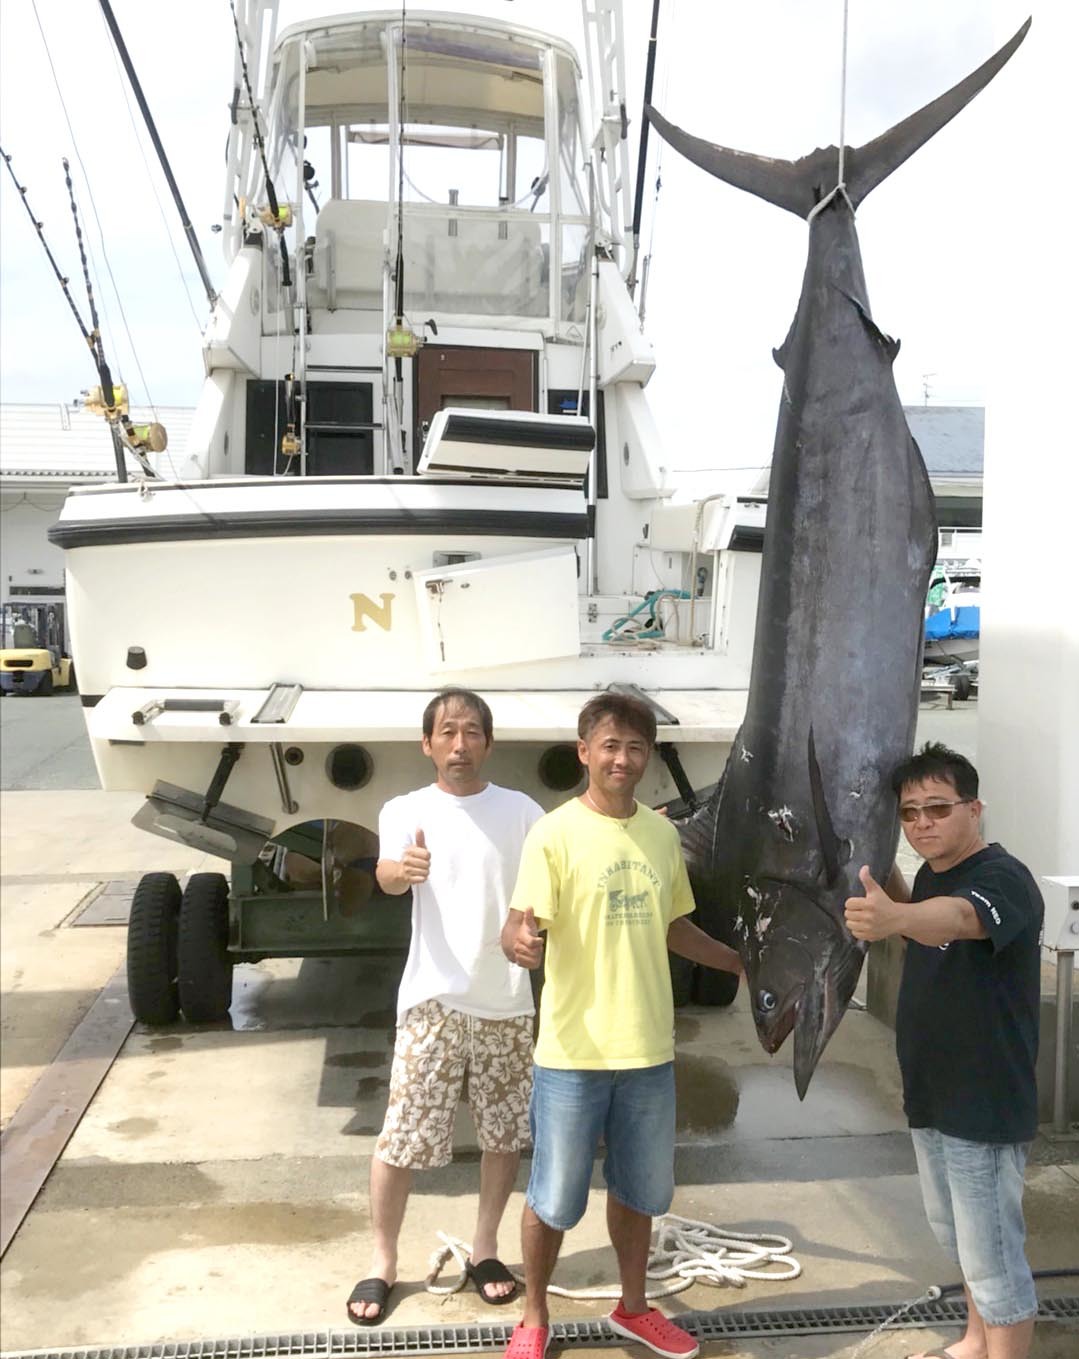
(951, 624)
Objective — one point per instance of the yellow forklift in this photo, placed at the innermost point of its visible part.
(32, 654)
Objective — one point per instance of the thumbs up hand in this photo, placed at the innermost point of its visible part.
(527, 942)
(416, 860)
(874, 916)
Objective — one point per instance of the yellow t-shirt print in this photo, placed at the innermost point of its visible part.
(606, 892)
(626, 905)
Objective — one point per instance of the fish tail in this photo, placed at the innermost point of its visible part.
(798, 186)
(872, 163)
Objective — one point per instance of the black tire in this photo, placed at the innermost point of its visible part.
(72, 683)
(714, 988)
(205, 968)
(963, 687)
(151, 950)
(681, 979)
(46, 686)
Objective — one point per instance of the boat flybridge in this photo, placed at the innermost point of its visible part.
(423, 456)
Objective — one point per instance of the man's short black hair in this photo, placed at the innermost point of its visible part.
(464, 698)
(936, 761)
(624, 709)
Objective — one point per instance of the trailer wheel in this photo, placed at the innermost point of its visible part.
(714, 988)
(681, 979)
(963, 687)
(205, 968)
(151, 949)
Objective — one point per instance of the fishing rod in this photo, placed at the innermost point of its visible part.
(111, 399)
(174, 188)
(276, 218)
(642, 155)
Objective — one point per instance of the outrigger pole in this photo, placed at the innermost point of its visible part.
(642, 155)
(92, 338)
(189, 230)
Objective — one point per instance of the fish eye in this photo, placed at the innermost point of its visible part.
(766, 1001)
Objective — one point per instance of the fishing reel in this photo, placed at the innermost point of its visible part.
(143, 439)
(402, 342)
(140, 439)
(263, 214)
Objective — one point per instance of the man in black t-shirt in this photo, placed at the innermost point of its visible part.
(966, 1037)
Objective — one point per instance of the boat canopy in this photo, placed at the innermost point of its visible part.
(458, 121)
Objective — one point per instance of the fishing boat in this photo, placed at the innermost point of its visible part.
(423, 456)
(953, 613)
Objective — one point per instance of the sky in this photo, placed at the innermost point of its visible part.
(763, 76)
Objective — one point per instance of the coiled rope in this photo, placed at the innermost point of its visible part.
(685, 1252)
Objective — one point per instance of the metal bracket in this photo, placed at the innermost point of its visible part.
(280, 702)
(277, 756)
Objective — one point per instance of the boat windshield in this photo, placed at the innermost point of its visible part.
(459, 123)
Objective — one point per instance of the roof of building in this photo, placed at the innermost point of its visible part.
(65, 443)
(951, 438)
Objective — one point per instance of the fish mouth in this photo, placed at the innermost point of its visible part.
(812, 1010)
(773, 1028)
(819, 1012)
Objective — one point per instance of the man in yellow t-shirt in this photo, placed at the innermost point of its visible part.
(605, 878)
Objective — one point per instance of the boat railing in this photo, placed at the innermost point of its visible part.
(457, 260)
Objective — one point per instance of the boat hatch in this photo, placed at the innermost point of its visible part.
(499, 610)
(553, 448)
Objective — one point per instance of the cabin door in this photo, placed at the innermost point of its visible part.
(453, 375)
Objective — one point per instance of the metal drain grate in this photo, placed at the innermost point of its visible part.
(427, 1340)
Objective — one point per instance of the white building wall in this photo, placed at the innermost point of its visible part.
(1028, 720)
(26, 555)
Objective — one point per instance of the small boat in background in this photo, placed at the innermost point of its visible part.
(953, 612)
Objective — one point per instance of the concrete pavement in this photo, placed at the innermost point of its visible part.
(217, 1182)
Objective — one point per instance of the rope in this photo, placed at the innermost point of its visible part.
(840, 190)
(843, 97)
(685, 1253)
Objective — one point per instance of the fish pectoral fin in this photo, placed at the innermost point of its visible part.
(832, 847)
(780, 354)
(886, 342)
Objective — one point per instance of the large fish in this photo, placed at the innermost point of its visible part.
(849, 546)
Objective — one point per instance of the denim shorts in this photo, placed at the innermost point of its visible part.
(973, 1193)
(634, 1113)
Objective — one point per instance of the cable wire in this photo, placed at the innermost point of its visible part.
(90, 194)
(150, 177)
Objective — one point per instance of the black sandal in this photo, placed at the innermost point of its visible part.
(369, 1290)
(491, 1271)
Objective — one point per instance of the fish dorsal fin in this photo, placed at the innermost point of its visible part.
(799, 185)
(831, 845)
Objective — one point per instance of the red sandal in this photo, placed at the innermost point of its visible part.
(528, 1342)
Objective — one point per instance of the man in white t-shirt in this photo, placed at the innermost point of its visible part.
(464, 1013)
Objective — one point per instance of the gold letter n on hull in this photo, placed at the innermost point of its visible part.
(366, 607)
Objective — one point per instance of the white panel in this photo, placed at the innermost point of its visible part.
(542, 452)
(625, 353)
(1028, 732)
(500, 610)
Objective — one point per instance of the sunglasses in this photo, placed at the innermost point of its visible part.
(936, 811)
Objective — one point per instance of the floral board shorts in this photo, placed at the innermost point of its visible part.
(437, 1050)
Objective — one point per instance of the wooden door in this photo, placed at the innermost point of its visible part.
(457, 375)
